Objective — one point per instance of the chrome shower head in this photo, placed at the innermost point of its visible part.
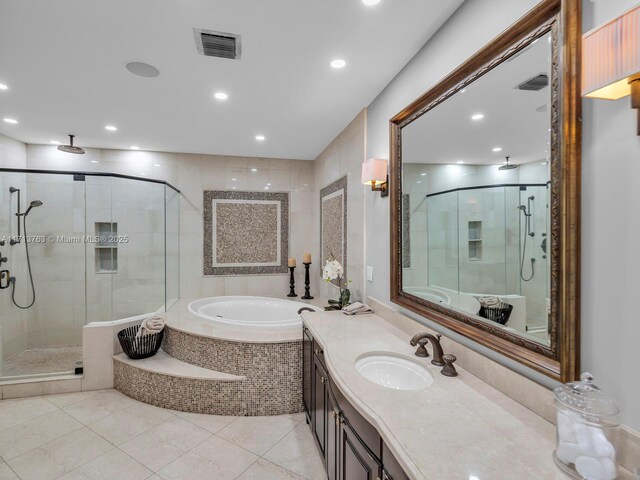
(70, 148)
(507, 165)
(34, 204)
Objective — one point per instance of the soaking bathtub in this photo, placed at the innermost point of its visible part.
(254, 312)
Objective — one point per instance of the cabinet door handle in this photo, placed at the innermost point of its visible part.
(322, 379)
(317, 351)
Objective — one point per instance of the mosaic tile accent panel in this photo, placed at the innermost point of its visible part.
(406, 231)
(273, 372)
(333, 223)
(245, 233)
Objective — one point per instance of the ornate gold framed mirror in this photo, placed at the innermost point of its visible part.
(485, 195)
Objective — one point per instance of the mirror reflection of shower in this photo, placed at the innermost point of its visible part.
(22, 216)
(526, 232)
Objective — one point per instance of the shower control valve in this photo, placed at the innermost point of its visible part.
(5, 279)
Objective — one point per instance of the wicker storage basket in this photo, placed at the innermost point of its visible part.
(139, 347)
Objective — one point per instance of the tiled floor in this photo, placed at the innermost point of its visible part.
(42, 360)
(106, 435)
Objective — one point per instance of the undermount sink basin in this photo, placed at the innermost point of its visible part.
(393, 371)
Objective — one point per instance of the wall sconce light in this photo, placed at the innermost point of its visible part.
(611, 60)
(374, 173)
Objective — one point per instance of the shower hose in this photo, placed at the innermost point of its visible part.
(13, 279)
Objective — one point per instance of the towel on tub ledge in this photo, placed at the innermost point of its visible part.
(150, 325)
(357, 308)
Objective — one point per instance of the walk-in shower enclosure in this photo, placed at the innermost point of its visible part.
(102, 248)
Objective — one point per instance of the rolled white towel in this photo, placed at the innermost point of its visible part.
(596, 468)
(593, 442)
(568, 452)
(150, 325)
(566, 426)
(490, 301)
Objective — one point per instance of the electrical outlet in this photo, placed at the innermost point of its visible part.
(370, 274)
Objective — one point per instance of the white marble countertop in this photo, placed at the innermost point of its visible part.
(458, 428)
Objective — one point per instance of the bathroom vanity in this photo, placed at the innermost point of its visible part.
(447, 429)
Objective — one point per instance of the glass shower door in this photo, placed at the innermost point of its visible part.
(42, 321)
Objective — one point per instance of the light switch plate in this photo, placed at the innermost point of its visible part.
(370, 274)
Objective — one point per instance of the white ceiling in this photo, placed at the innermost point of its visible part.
(64, 63)
(516, 121)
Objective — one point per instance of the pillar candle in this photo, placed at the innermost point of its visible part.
(292, 262)
(306, 258)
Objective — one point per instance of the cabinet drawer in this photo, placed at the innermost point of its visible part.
(392, 468)
(363, 429)
(319, 353)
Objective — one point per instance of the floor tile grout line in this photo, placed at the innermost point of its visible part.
(183, 452)
(260, 455)
(213, 433)
(13, 471)
(48, 441)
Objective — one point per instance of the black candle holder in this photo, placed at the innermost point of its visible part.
(292, 283)
(307, 295)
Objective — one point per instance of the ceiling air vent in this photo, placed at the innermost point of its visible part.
(535, 84)
(217, 44)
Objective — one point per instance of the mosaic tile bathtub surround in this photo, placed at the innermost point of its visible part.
(333, 223)
(245, 233)
(272, 371)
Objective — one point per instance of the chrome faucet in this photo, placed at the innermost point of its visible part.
(435, 341)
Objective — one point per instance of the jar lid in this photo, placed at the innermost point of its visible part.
(585, 397)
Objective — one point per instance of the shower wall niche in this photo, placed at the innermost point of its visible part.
(102, 248)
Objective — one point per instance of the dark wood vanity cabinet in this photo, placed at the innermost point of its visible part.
(319, 410)
(350, 446)
(307, 374)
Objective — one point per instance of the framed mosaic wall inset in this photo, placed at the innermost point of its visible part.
(245, 233)
(333, 224)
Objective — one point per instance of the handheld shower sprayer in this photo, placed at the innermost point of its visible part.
(12, 280)
(34, 204)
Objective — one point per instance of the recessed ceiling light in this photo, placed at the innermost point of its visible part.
(12, 121)
(497, 149)
(142, 69)
(134, 147)
(220, 96)
(157, 165)
(233, 179)
(54, 142)
(233, 188)
(418, 181)
(111, 128)
(3, 87)
(460, 162)
(268, 184)
(254, 169)
(423, 174)
(477, 116)
(260, 138)
(338, 63)
(266, 188)
(142, 173)
(370, 3)
(94, 161)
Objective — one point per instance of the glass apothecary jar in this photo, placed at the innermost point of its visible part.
(587, 425)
